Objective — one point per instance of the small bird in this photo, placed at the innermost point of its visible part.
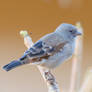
(51, 50)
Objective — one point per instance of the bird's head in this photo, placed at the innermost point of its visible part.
(68, 31)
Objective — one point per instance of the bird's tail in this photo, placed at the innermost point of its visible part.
(12, 65)
(16, 63)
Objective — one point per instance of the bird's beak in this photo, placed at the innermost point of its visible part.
(78, 33)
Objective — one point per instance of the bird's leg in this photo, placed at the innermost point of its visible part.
(47, 75)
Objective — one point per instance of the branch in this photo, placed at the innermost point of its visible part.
(76, 62)
(46, 74)
(87, 83)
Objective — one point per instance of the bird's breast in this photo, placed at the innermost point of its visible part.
(61, 56)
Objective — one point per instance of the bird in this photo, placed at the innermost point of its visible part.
(50, 50)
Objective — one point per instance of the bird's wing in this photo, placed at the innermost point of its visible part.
(45, 47)
(42, 51)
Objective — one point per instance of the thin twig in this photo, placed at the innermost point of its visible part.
(46, 74)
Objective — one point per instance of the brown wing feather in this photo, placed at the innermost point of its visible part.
(56, 49)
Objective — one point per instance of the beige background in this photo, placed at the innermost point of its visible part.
(39, 17)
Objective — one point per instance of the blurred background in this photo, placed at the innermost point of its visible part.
(39, 17)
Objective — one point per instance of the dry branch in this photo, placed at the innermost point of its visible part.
(47, 75)
(76, 62)
(87, 83)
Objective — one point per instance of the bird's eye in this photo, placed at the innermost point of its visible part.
(71, 31)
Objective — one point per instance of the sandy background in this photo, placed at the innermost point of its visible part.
(39, 17)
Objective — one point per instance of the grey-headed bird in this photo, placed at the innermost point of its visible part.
(51, 50)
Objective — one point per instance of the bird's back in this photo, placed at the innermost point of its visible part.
(52, 39)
